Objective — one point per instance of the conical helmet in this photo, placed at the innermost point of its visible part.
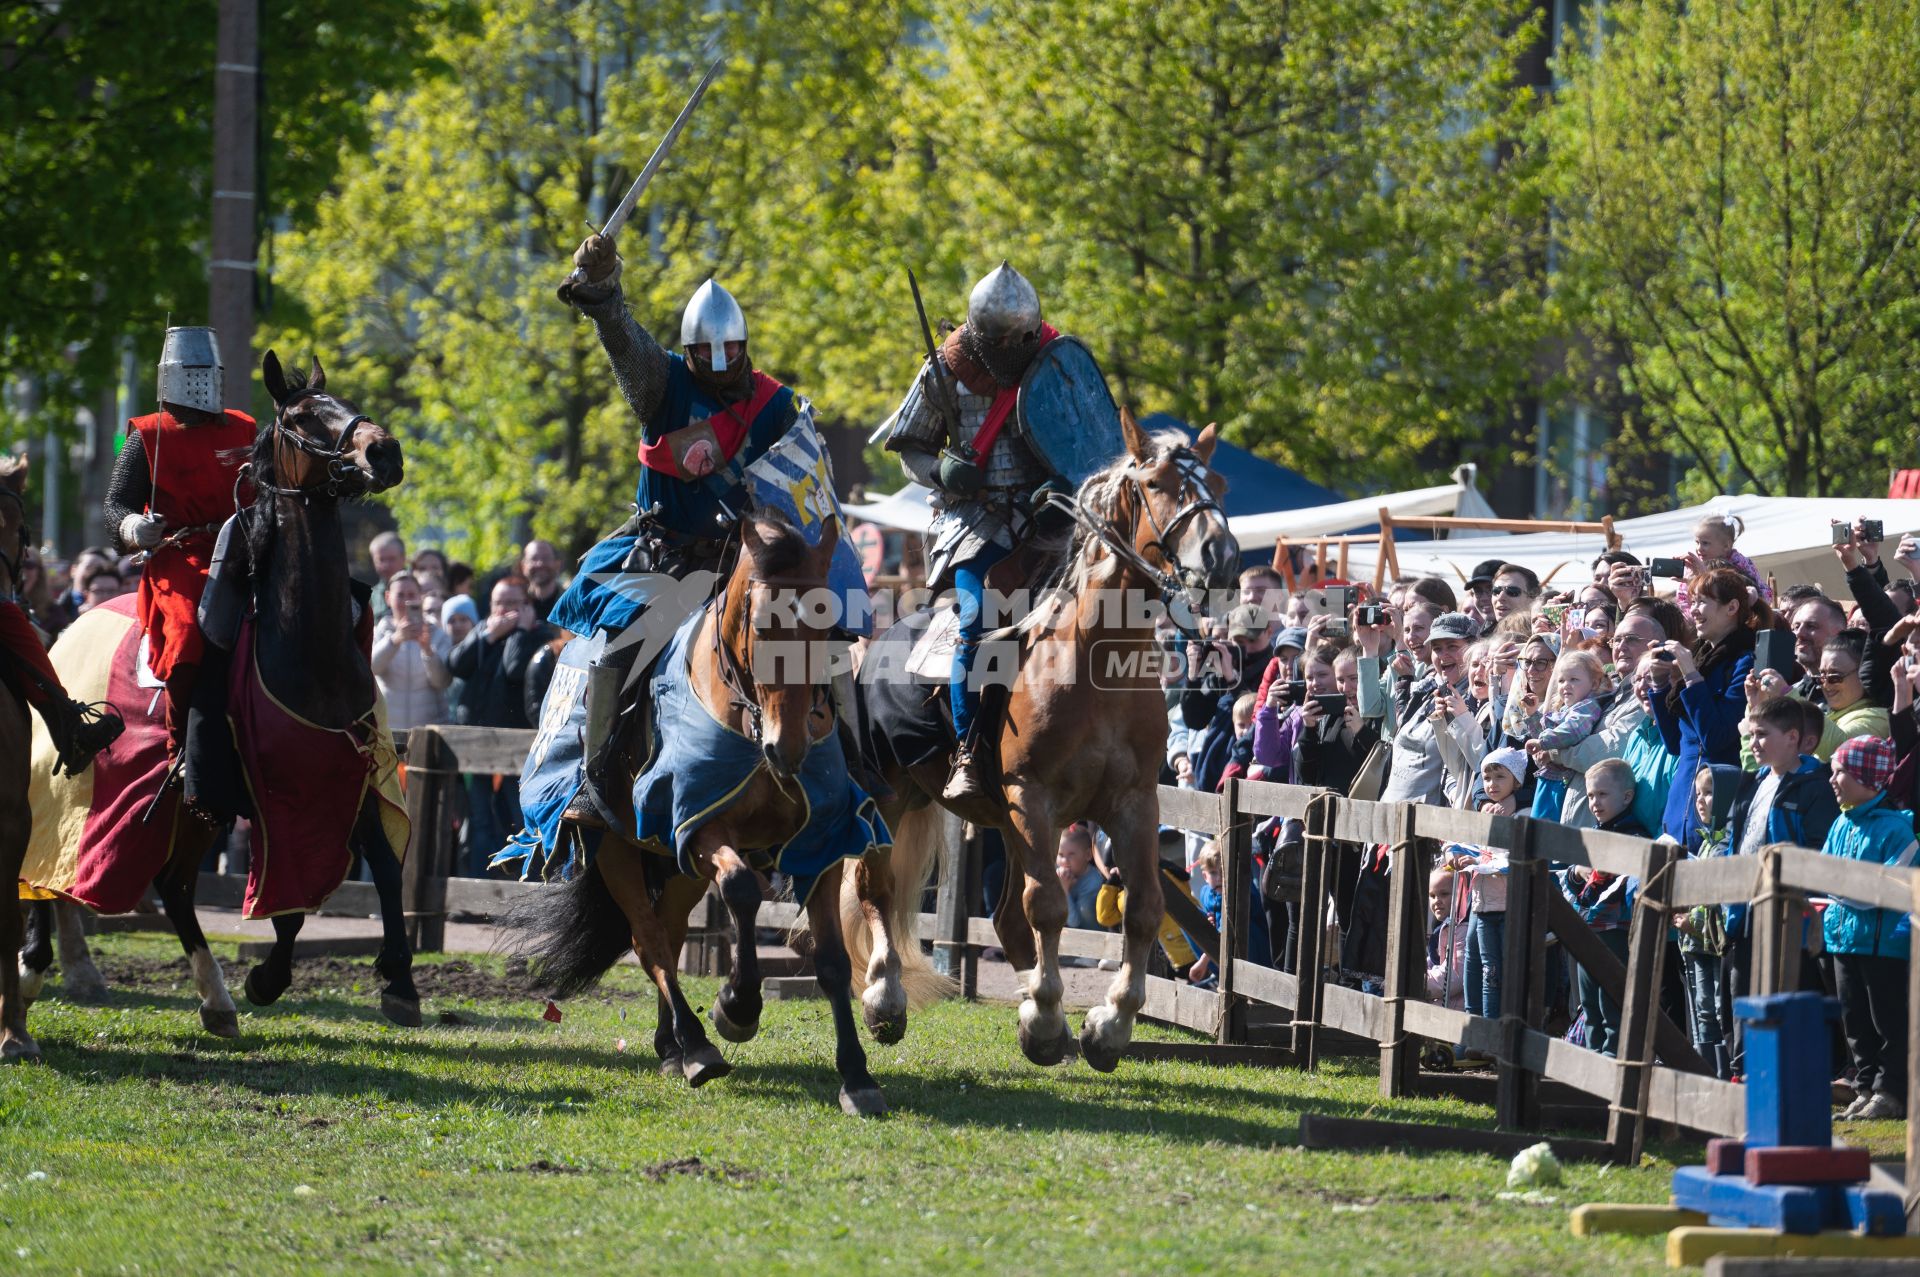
(712, 316)
(1004, 305)
(190, 369)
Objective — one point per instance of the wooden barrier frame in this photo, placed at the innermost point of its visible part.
(1641, 1086)
(1387, 561)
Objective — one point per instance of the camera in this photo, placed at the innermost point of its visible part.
(1842, 533)
(1333, 705)
(1370, 614)
(1674, 568)
(1873, 530)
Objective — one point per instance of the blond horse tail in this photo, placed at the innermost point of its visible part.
(919, 837)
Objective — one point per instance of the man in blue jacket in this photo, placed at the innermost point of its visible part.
(1870, 946)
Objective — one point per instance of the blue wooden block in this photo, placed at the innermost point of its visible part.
(1877, 1212)
(1730, 1201)
(1789, 1092)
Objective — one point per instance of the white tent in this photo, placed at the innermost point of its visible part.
(907, 509)
(1786, 536)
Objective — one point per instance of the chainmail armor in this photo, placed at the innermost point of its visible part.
(639, 363)
(129, 489)
(1006, 364)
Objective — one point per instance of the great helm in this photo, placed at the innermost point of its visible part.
(712, 316)
(190, 369)
(1003, 306)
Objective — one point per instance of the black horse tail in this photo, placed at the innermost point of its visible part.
(570, 933)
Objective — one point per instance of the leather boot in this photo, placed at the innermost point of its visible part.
(969, 780)
(606, 681)
(78, 731)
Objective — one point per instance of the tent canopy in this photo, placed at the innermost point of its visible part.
(1785, 536)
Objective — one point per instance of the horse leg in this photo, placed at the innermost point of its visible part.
(176, 884)
(15, 1042)
(271, 978)
(737, 1007)
(1031, 838)
(400, 1000)
(1132, 828)
(80, 979)
(833, 970)
(625, 876)
(36, 951)
(884, 1001)
(665, 1045)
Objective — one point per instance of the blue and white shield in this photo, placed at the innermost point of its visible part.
(1067, 414)
(795, 477)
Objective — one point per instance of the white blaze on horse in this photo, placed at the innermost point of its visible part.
(1082, 736)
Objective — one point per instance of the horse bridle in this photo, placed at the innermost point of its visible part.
(1173, 583)
(340, 469)
(735, 673)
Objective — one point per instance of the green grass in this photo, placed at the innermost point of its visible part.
(326, 1140)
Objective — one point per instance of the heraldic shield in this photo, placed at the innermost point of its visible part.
(1067, 414)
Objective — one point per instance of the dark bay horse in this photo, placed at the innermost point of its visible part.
(291, 552)
(1082, 737)
(16, 740)
(628, 898)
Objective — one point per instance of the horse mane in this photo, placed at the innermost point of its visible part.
(1087, 561)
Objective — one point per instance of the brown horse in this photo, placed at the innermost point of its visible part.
(1082, 737)
(628, 897)
(317, 451)
(16, 740)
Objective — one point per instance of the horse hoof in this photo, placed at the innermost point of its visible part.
(83, 984)
(730, 1029)
(886, 1029)
(673, 1066)
(703, 1066)
(404, 1012)
(1099, 1057)
(221, 1022)
(31, 984)
(1045, 1052)
(19, 1050)
(263, 991)
(864, 1102)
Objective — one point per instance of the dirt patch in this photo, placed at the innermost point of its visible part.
(1340, 1197)
(660, 1172)
(453, 979)
(145, 975)
(545, 1167)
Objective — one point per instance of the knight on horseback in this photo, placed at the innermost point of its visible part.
(994, 492)
(706, 414)
(173, 486)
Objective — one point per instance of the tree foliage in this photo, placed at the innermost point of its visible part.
(1740, 200)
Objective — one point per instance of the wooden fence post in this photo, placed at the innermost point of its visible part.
(431, 771)
(1236, 870)
(1523, 979)
(1310, 967)
(1406, 957)
(1776, 931)
(952, 905)
(972, 872)
(1640, 1010)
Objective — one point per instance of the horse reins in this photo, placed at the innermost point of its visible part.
(735, 671)
(339, 468)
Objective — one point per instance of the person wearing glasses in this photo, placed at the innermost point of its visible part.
(1514, 590)
(1850, 711)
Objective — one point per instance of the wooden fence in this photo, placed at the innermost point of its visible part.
(1656, 1076)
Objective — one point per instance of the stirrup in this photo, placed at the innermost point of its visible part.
(965, 780)
(83, 730)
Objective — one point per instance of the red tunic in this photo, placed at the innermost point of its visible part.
(194, 470)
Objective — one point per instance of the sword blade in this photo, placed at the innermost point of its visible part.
(625, 210)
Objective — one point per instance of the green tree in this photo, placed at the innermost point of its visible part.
(106, 152)
(1305, 221)
(1741, 197)
(429, 275)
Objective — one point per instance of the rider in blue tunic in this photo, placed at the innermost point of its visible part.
(706, 414)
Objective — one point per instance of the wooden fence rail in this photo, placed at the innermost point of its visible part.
(1656, 1077)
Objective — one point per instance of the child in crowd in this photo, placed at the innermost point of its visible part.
(1447, 939)
(1502, 772)
(1240, 757)
(1713, 539)
(1573, 711)
(1788, 799)
(1703, 928)
(1870, 946)
(1602, 898)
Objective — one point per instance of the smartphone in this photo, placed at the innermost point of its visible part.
(1773, 650)
(1842, 533)
(1333, 705)
(1296, 691)
(1370, 614)
(1339, 629)
(1556, 613)
(1674, 568)
(414, 612)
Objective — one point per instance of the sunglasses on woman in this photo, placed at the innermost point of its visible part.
(1833, 678)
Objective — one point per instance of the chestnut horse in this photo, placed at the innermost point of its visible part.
(16, 740)
(317, 451)
(1082, 737)
(629, 896)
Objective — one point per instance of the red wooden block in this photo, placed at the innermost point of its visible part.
(1726, 1157)
(1803, 1164)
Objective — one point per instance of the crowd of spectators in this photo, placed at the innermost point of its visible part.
(1706, 705)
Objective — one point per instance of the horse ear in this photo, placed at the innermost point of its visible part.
(1137, 442)
(750, 536)
(273, 377)
(317, 379)
(1203, 446)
